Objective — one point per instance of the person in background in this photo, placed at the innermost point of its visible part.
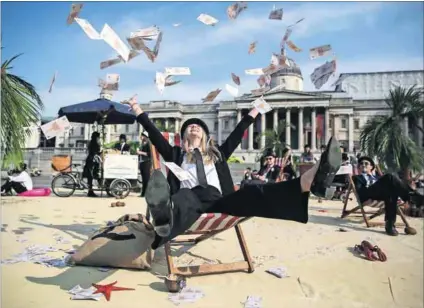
(93, 162)
(269, 171)
(345, 159)
(122, 146)
(342, 178)
(247, 174)
(20, 181)
(387, 188)
(145, 160)
(307, 156)
(288, 165)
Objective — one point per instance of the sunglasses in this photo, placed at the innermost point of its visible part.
(269, 158)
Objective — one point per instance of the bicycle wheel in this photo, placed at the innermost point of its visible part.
(120, 188)
(64, 185)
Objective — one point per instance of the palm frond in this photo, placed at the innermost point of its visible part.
(21, 107)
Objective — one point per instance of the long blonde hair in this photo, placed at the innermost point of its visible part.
(208, 148)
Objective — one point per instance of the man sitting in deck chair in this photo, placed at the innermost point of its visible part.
(269, 171)
(175, 205)
(387, 188)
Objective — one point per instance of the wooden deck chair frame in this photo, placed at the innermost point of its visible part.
(197, 234)
(360, 210)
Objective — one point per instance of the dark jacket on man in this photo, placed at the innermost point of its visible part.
(125, 148)
(272, 174)
(361, 186)
(175, 153)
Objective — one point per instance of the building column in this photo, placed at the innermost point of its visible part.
(351, 134)
(420, 134)
(166, 123)
(250, 140)
(288, 127)
(314, 129)
(219, 130)
(238, 121)
(177, 126)
(406, 126)
(263, 128)
(300, 130)
(275, 119)
(327, 132)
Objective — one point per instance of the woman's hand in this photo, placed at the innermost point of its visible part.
(132, 102)
(254, 112)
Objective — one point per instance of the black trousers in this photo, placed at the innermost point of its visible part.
(284, 200)
(16, 186)
(145, 175)
(388, 188)
(290, 171)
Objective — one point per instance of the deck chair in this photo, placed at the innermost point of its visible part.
(208, 225)
(377, 207)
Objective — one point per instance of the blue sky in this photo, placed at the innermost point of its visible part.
(366, 36)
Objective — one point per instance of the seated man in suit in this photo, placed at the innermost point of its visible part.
(270, 171)
(387, 188)
(122, 145)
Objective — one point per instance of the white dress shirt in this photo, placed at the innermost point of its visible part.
(24, 178)
(210, 171)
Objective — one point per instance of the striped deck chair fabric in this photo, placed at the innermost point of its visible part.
(378, 206)
(206, 226)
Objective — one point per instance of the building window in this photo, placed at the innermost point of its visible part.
(127, 128)
(115, 128)
(226, 124)
(330, 123)
(82, 131)
(344, 123)
(355, 124)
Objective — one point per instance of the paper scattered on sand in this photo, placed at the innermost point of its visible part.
(187, 295)
(35, 254)
(207, 19)
(280, 272)
(253, 302)
(79, 293)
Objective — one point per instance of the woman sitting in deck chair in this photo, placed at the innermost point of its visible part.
(175, 205)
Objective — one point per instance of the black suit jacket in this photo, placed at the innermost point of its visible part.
(146, 148)
(272, 175)
(175, 153)
(361, 186)
(118, 146)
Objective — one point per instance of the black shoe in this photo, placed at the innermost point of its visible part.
(158, 199)
(391, 229)
(329, 164)
(91, 194)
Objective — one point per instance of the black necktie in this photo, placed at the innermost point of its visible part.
(200, 168)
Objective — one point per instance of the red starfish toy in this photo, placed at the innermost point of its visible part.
(108, 288)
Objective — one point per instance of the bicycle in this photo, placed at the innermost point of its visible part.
(73, 181)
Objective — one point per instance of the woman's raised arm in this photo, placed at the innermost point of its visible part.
(155, 136)
(234, 139)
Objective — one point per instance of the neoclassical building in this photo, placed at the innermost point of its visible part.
(309, 117)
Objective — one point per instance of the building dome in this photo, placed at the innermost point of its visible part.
(288, 78)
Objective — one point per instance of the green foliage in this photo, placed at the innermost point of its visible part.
(274, 139)
(21, 107)
(134, 145)
(234, 159)
(383, 136)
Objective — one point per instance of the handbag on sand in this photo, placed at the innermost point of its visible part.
(122, 244)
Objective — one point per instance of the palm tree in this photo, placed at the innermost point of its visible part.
(274, 139)
(20, 107)
(384, 136)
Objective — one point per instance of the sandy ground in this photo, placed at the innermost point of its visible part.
(317, 254)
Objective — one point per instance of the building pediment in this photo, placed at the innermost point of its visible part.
(288, 95)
